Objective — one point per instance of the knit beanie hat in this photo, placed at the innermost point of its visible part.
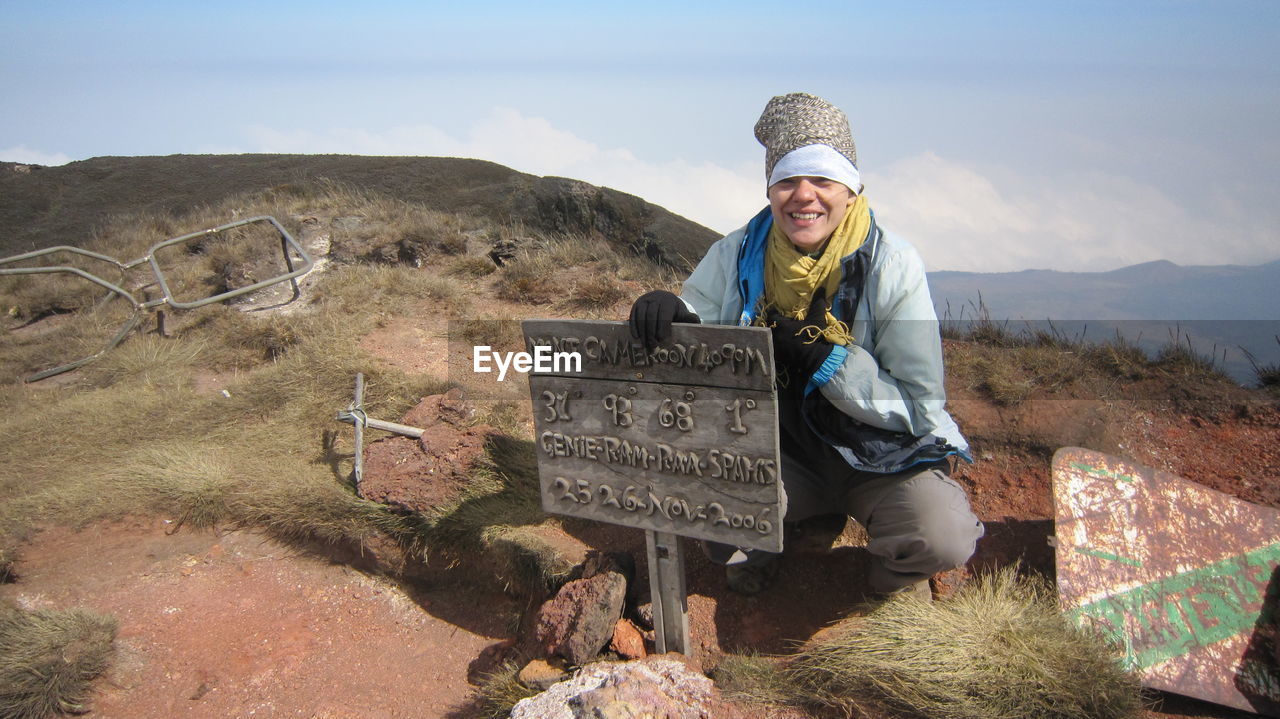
(805, 135)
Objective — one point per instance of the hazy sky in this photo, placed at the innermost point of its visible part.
(992, 135)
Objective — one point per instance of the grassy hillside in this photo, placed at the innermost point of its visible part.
(45, 206)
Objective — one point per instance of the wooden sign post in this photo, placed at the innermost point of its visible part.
(680, 440)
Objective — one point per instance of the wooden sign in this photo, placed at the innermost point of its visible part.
(680, 439)
(1186, 580)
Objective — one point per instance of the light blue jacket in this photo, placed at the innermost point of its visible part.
(891, 377)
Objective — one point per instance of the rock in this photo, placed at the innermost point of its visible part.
(420, 475)
(627, 640)
(656, 688)
(690, 662)
(600, 562)
(946, 583)
(452, 408)
(578, 622)
(506, 249)
(644, 615)
(575, 207)
(540, 674)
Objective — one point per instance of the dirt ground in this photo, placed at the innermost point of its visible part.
(237, 625)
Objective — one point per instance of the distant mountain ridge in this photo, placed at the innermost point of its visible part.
(1159, 290)
(1220, 307)
(45, 206)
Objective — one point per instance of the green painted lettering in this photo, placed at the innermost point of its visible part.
(1166, 619)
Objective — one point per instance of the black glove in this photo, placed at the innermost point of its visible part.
(792, 348)
(653, 313)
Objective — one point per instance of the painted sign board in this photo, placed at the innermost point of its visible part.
(1185, 579)
(679, 439)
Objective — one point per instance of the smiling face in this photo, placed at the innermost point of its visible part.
(809, 209)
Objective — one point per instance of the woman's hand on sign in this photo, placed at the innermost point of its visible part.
(653, 313)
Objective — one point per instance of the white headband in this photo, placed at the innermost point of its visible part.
(817, 161)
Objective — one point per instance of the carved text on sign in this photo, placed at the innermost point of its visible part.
(628, 353)
(717, 463)
(643, 500)
(681, 438)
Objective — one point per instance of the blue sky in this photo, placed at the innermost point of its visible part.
(992, 135)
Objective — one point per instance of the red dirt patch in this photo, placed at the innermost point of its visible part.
(238, 625)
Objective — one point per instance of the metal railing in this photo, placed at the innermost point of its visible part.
(287, 245)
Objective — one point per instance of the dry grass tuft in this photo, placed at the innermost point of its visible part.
(1179, 358)
(500, 691)
(48, 658)
(554, 271)
(386, 289)
(510, 417)
(8, 559)
(32, 297)
(999, 648)
(1267, 375)
(522, 557)
(1012, 365)
(597, 292)
(194, 481)
(471, 266)
(1119, 358)
(504, 335)
(529, 282)
(386, 231)
(150, 361)
(755, 679)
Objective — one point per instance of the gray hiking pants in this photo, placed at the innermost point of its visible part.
(919, 521)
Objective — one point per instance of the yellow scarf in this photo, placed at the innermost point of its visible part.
(791, 277)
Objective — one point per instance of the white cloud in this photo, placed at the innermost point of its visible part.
(715, 196)
(960, 219)
(27, 156)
